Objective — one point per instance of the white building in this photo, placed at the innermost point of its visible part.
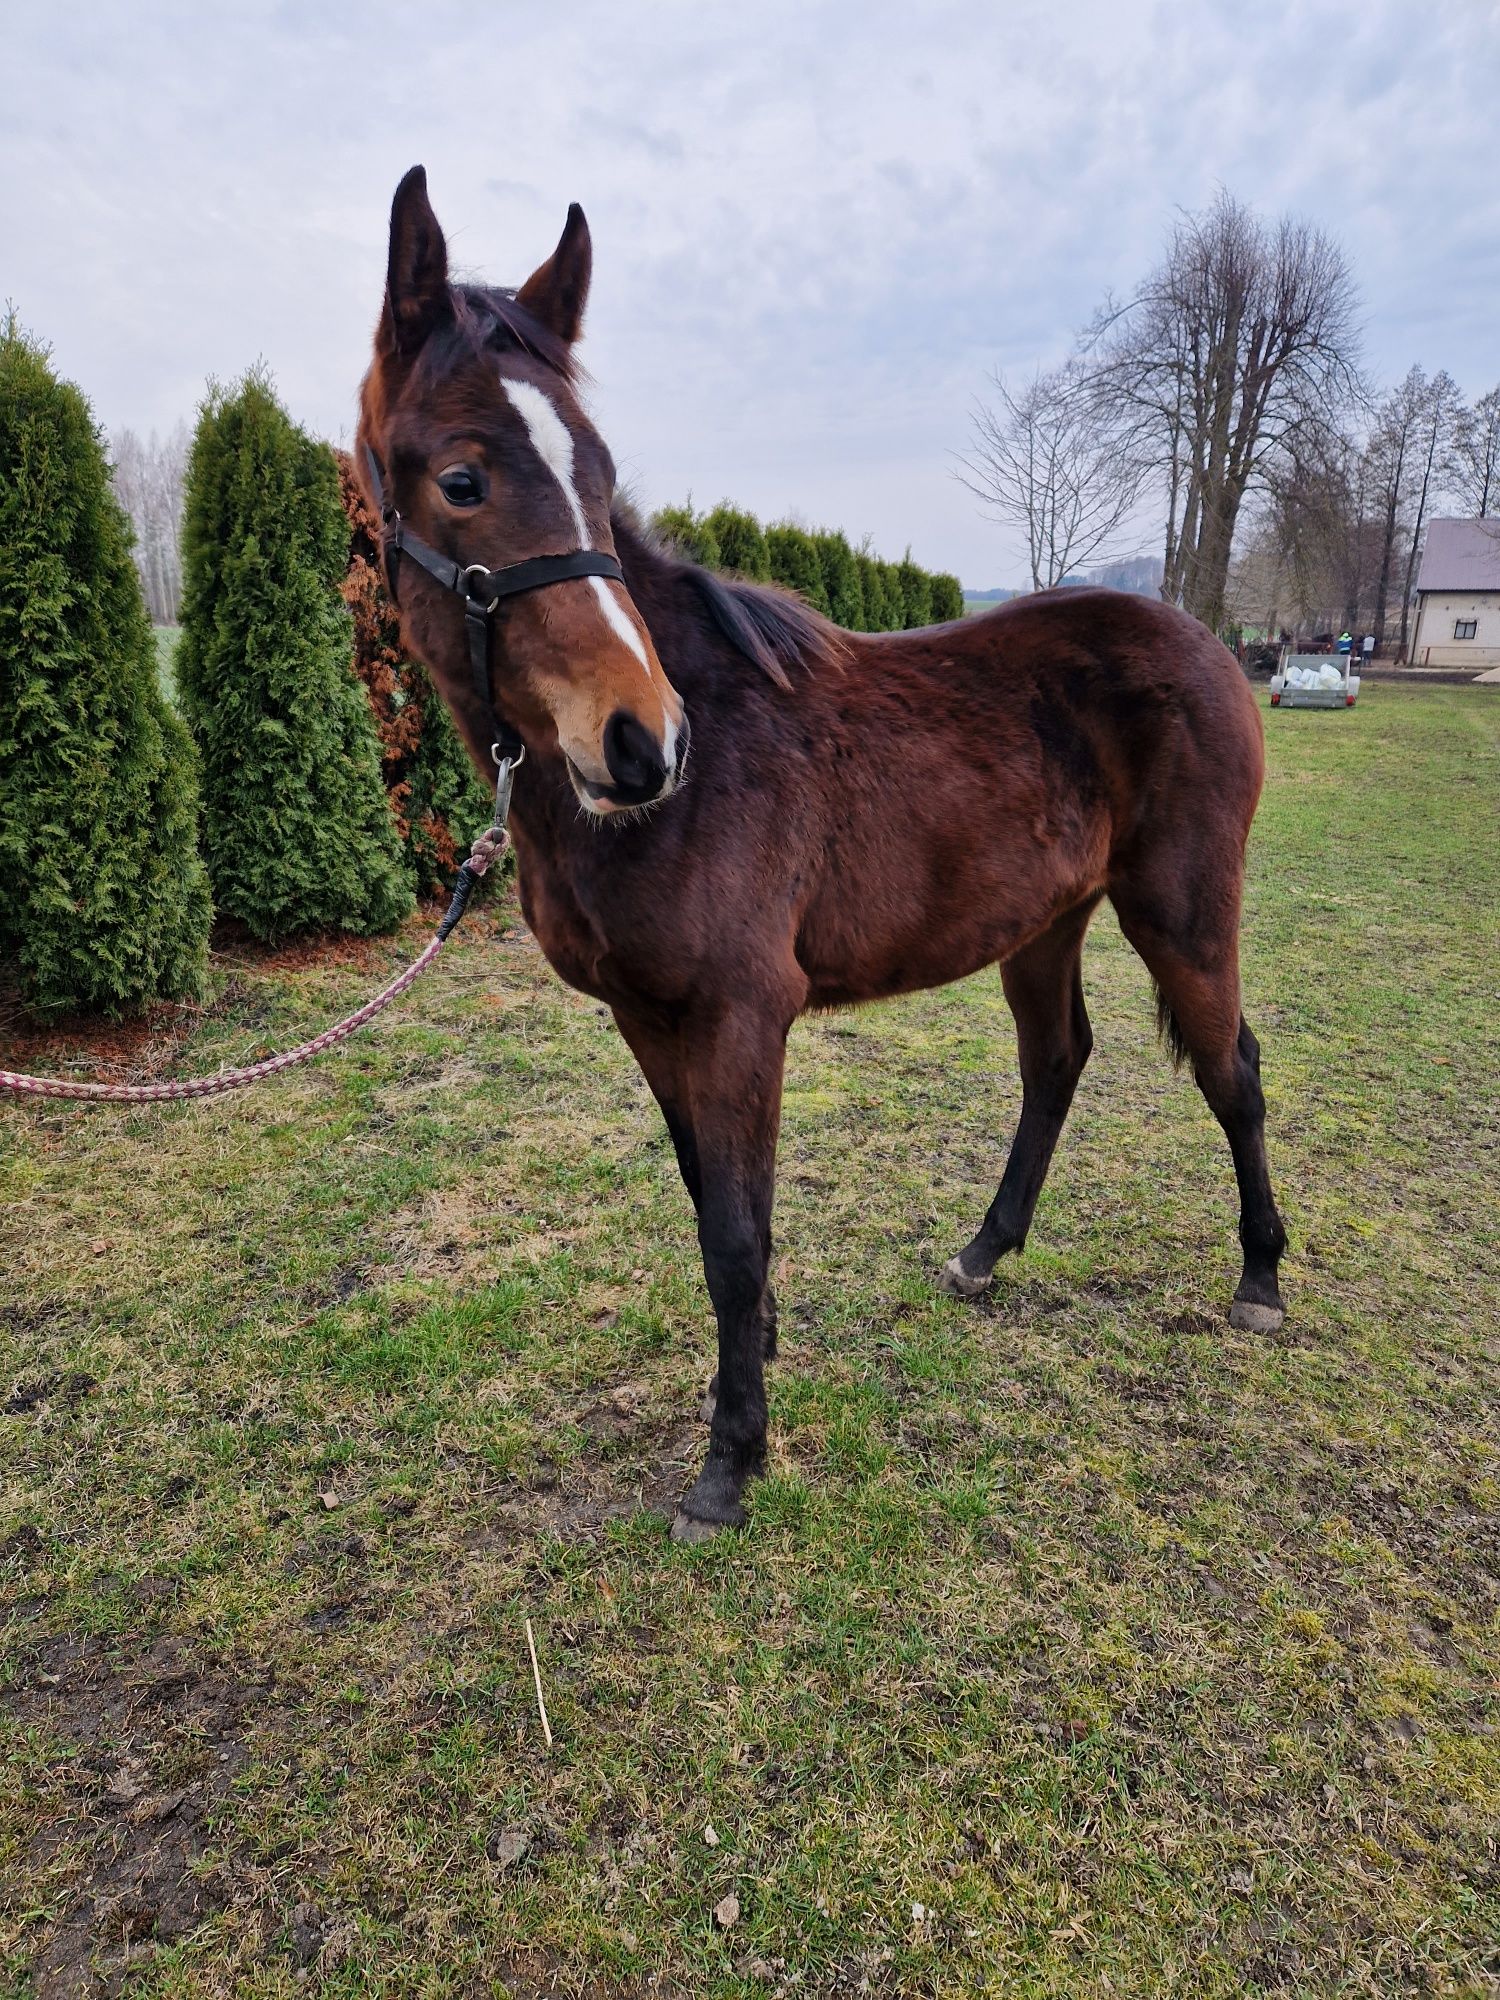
(1458, 597)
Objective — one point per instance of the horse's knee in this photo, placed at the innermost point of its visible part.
(733, 1259)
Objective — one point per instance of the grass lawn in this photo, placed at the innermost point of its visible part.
(1080, 1646)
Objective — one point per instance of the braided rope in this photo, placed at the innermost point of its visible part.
(483, 852)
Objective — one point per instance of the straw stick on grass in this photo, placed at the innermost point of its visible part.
(536, 1675)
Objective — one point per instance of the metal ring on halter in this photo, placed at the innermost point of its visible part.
(515, 762)
(475, 569)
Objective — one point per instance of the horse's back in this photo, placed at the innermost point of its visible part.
(1133, 689)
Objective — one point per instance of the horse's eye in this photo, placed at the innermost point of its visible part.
(461, 486)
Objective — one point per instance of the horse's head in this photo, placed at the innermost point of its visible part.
(484, 450)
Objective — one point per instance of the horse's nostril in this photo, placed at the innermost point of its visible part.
(633, 756)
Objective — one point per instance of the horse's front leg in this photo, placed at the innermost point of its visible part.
(733, 1071)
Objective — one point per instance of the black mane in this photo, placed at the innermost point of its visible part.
(774, 628)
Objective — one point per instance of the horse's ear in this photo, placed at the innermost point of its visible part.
(557, 291)
(417, 298)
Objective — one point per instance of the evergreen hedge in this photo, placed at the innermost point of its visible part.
(436, 799)
(104, 902)
(916, 593)
(742, 542)
(297, 831)
(853, 587)
(795, 562)
(841, 581)
(690, 534)
(873, 594)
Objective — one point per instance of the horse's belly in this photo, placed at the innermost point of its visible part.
(936, 915)
(848, 962)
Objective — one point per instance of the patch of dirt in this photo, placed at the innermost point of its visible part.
(86, 1049)
(648, 1476)
(147, 1746)
(145, 1047)
(67, 1390)
(1187, 1323)
(238, 947)
(32, 1319)
(23, 1546)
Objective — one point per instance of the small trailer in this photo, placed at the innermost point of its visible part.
(1315, 680)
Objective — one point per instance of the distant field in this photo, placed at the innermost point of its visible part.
(1080, 1646)
(166, 647)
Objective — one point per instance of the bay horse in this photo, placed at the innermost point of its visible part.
(859, 815)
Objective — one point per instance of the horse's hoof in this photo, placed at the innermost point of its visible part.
(688, 1528)
(955, 1280)
(715, 1498)
(1249, 1317)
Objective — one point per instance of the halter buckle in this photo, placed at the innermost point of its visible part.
(505, 777)
(475, 569)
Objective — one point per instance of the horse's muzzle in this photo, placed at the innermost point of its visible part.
(639, 774)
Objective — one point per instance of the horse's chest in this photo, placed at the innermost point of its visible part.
(558, 922)
(605, 953)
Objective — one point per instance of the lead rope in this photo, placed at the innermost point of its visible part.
(487, 847)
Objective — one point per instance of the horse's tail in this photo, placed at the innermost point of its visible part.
(1168, 1028)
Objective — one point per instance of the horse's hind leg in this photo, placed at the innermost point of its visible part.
(1044, 985)
(1198, 985)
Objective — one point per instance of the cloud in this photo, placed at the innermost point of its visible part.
(816, 227)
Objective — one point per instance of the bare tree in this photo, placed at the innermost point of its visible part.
(1317, 517)
(1437, 417)
(1239, 341)
(1391, 450)
(148, 480)
(1474, 457)
(1261, 587)
(1049, 461)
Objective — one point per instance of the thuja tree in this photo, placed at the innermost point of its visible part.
(742, 542)
(879, 616)
(916, 592)
(841, 581)
(794, 562)
(854, 587)
(296, 828)
(104, 900)
(436, 799)
(689, 534)
(947, 597)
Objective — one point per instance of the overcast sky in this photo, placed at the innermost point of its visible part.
(816, 227)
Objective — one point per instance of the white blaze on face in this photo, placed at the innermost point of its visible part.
(553, 443)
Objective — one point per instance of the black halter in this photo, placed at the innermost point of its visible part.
(482, 590)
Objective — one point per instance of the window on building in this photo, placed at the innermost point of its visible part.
(1465, 628)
